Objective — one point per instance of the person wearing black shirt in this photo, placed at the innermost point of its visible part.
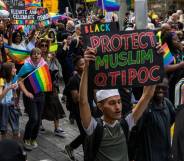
(73, 98)
(153, 129)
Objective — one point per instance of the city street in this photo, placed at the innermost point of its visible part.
(51, 147)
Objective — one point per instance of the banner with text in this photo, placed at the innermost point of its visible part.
(124, 58)
(43, 18)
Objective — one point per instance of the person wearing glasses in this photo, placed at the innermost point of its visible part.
(53, 110)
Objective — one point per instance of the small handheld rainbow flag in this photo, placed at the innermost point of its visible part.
(18, 55)
(40, 79)
(168, 57)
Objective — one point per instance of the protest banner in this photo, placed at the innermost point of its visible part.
(124, 58)
(43, 18)
(23, 16)
(89, 29)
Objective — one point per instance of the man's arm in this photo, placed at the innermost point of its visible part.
(85, 112)
(141, 106)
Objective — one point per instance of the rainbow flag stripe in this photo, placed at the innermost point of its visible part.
(168, 57)
(40, 80)
(18, 55)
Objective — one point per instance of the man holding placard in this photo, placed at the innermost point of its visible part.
(111, 130)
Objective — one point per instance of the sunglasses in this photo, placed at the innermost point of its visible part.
(44, 45)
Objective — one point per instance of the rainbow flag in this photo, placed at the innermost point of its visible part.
(109, 5)
(40, 79)
(168, 57)
(32, 4)
(18, 55)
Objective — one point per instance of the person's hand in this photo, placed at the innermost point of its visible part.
(159, 48)
(149, 91)
(13, 86)
(89, 55)
(29, 95)
(181, 64)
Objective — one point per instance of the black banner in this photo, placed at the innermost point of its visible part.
(124, 58)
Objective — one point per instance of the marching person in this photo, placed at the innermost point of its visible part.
(112, 146)
(34, 103)
(8, 112)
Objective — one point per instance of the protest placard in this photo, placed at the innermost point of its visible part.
(89, 29)
(23, 16)
(124, 58)
(43, 18)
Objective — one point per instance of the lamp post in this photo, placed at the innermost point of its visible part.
(141, 14)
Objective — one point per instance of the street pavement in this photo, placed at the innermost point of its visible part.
(51, 147)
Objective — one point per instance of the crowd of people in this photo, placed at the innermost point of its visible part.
(114, 125)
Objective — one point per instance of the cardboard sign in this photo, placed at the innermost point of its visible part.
(23, 16)
(124, 58)
(43, 18)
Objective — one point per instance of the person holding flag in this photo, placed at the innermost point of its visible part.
(32, 74)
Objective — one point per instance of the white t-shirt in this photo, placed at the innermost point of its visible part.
(129, 119)
(21, 46)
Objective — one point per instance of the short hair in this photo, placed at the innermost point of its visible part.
(35, 50)
(41, 40)
(76, 59)
(14, 35)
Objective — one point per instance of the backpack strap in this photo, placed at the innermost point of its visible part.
(92, 142)
(125, 128)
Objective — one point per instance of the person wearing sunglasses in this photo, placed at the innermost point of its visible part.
(53, 110)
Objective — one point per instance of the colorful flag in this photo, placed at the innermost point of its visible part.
(109, 5)
(3, 6)
(56, 18)
(168, 57)
(32, 4)
(40, 79)
(18, 55)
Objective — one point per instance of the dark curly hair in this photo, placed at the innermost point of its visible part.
(14, 35)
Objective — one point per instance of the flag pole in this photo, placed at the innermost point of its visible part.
(103, 8)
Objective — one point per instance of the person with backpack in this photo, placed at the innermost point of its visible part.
(107, 137)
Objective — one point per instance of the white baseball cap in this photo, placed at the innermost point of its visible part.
(103, 94)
